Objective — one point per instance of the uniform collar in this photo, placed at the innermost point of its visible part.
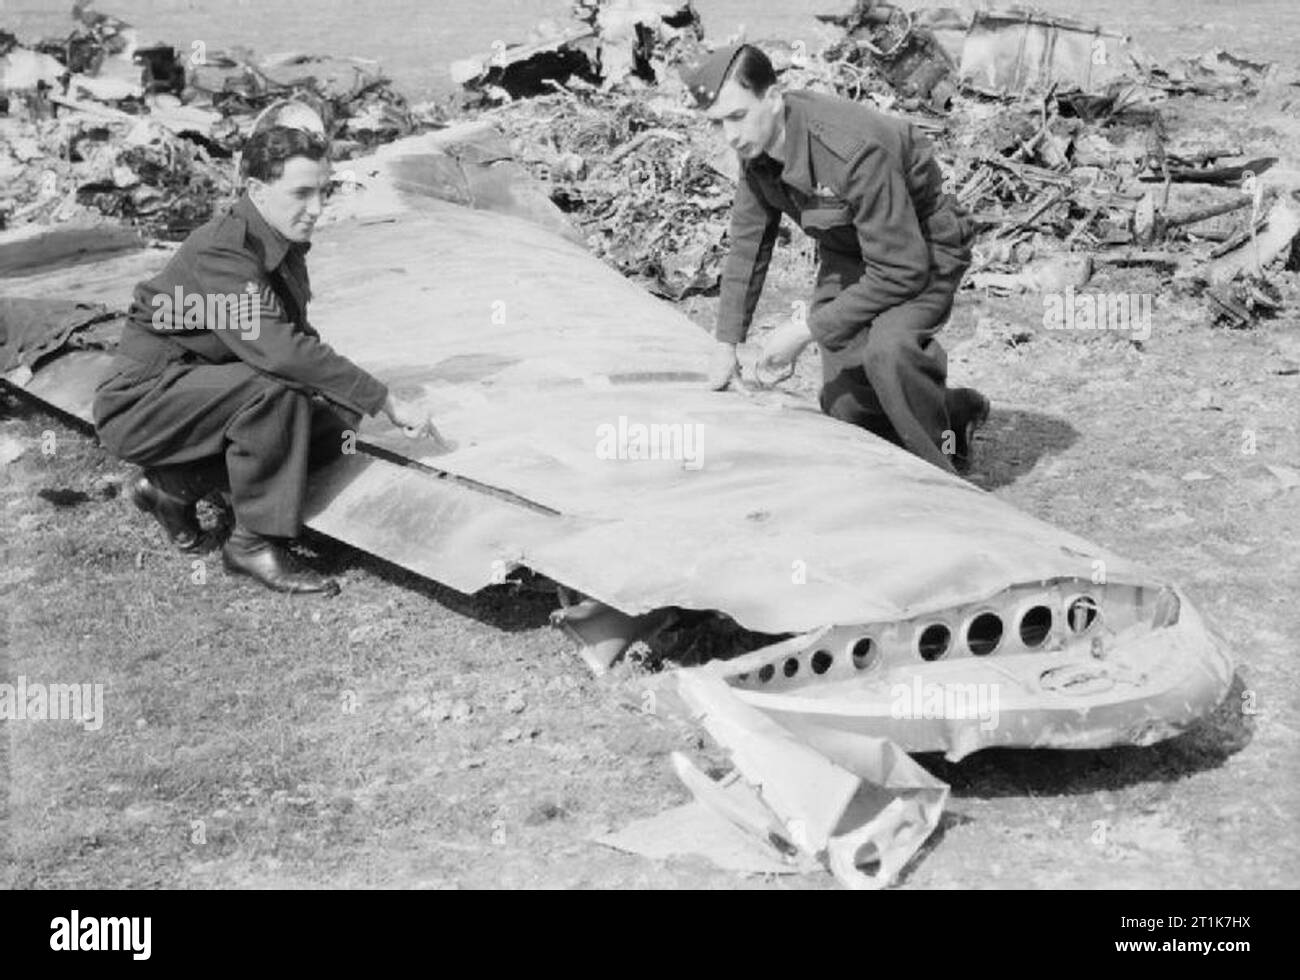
(797, 168)
(272, 245)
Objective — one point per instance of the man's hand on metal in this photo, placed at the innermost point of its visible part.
(784, 345)
(723, 366)
(411, 418)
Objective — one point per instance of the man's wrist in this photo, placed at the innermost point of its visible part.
(730, 333)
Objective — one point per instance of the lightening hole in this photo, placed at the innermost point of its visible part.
(934, 641)
(1082, 614)
(864, 653)
(1035, 626)
(984, 634)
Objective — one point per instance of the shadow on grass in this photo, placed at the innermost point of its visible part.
(947, 820)
(1206, 744)
(510, 607)
(1013, 441)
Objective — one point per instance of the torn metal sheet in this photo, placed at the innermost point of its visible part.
(1013, 50)
(38, 248)
(30, 330)
(108, 279)
(998, 52)
(1280, 230)
(24, 70)
(726, 822)
(451, 531)
(470, 164)
(604, 632)
(618, 39)
(1061, 664)
(910, 56)
(68, 382)
(577, 399)
(862, 808)
(524, 69)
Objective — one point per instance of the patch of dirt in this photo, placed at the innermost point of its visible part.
(408, 736)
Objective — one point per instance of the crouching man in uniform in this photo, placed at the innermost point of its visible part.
(892, 251)
(220, 382)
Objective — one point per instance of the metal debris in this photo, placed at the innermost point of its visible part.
(1049, 129)
(95, 125)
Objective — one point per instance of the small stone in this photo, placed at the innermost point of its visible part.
(1288, 477)
(512, 735)
(413, 703)
(1173, 522)
(460, 711)
(439, 710)
(562, 684)
(1205, 400)
(140, 813)
(545, 811)
(515, 703)
(108, 486)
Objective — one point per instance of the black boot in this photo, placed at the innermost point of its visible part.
(967, 411)
(175, 512)
(251, 554)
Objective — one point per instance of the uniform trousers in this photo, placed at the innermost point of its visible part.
(891, 377)
(208, 426)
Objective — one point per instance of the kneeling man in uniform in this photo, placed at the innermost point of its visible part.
(220, 381)
(892, 250)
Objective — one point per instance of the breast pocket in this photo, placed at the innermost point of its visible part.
(827, 218)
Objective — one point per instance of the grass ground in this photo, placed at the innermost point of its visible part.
(409, 736)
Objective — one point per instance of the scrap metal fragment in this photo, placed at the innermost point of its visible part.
(863, 810)
(604, 632)
(1283, 225)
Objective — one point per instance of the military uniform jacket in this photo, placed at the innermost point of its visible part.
(237, 290)
(866, 186)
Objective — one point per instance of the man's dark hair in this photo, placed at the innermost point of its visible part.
(752, 70)
(267, 150)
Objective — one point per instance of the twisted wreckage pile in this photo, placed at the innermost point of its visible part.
(100, 130)
(94, 125)
(1049, 129)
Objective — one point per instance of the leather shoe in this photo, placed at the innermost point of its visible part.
(176, 515)
(246, 553)
(968, 410)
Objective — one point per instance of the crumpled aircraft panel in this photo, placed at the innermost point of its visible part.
(537, 361)
(791, 521)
